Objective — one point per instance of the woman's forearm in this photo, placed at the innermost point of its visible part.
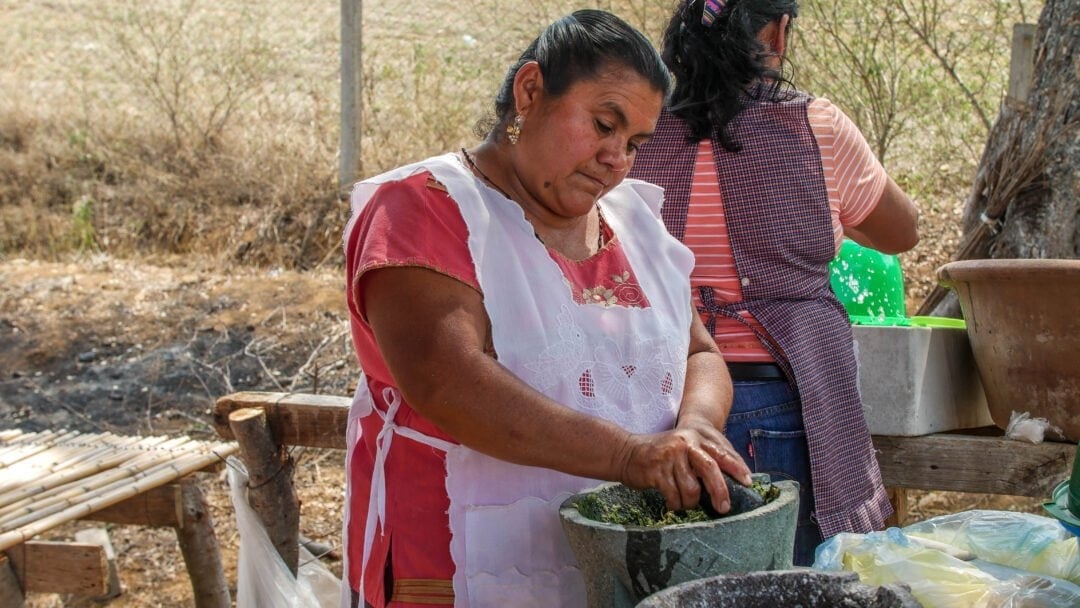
(708, 391)
(488, 409)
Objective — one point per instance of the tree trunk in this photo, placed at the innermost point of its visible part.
(1026, 196)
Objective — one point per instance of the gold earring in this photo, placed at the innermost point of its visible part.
(513, 130)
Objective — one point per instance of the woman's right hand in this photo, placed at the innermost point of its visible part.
(679, 462)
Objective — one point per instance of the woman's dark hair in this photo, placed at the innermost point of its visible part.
(577, 47)
(718, 69)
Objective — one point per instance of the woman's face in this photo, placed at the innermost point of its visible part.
(576, 147)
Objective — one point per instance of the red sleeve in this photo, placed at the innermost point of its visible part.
(412, 222)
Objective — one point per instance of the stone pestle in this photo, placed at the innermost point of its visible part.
(742, 498)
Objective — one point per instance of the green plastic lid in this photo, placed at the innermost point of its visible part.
(880, 321)
(869, 284)
(947, 322)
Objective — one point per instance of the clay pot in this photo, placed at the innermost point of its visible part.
(1023, 319)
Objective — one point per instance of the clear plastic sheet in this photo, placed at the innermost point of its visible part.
(262, 579)
(974, 559)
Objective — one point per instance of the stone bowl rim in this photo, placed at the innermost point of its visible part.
(789, 491)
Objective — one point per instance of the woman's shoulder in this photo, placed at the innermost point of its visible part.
(823, 110)
(419, 197)
(830, 124)
(632, 192)
(412, 221)
(421, 185)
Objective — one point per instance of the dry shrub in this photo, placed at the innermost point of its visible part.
(188, 131)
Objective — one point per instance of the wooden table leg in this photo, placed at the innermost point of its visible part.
(898, 498)
(11, 594)
(199, 545)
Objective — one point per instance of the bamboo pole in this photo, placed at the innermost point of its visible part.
(90, 454)
(24, 451)
(57, 458)
(84, 485)
(135, 458)
(9, 434)
(85, 491)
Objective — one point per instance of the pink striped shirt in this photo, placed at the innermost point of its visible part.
(854, 180)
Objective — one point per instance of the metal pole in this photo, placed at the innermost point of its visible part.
(351, 90)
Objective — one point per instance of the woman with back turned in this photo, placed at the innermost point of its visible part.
(524, 324)
(762, 182)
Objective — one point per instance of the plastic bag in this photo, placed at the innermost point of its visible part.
(1025, 428)
(1020, 540)
(940, 579)
(263, 580)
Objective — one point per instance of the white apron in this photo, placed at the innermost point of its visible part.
(622, 364)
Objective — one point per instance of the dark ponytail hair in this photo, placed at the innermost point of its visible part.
(718, 69)
(577, 47)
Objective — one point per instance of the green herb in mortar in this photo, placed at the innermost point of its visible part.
(767, 491)
(623, 506)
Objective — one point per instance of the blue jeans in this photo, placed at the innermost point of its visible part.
(766, 427)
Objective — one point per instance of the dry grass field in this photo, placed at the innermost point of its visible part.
(191, 126)
(169, 196)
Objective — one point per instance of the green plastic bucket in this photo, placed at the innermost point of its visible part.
(1065, 502)
(869, 284)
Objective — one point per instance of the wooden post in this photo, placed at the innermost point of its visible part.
(100, 536)
(1022, 63)
(11, 594)
(898, 498)
(270, 482)
(351, 93)
(44, 566)
(199, 546)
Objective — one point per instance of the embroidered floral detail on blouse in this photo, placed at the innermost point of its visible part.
(598, 295)
(621, 291)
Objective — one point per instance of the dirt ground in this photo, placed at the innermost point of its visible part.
(146, 347)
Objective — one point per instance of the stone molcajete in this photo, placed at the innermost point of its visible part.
(805, 588)
(623, 564)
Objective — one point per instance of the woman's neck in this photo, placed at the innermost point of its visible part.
(576, 238)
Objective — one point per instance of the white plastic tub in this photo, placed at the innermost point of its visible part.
(918, 380)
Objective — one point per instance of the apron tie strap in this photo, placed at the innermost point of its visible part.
(376, 513)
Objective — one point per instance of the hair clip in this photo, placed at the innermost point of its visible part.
(711, 12)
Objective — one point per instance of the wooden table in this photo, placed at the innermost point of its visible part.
(165, 495)
(979, 460)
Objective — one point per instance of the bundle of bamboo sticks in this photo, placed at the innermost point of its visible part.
(50, 478)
